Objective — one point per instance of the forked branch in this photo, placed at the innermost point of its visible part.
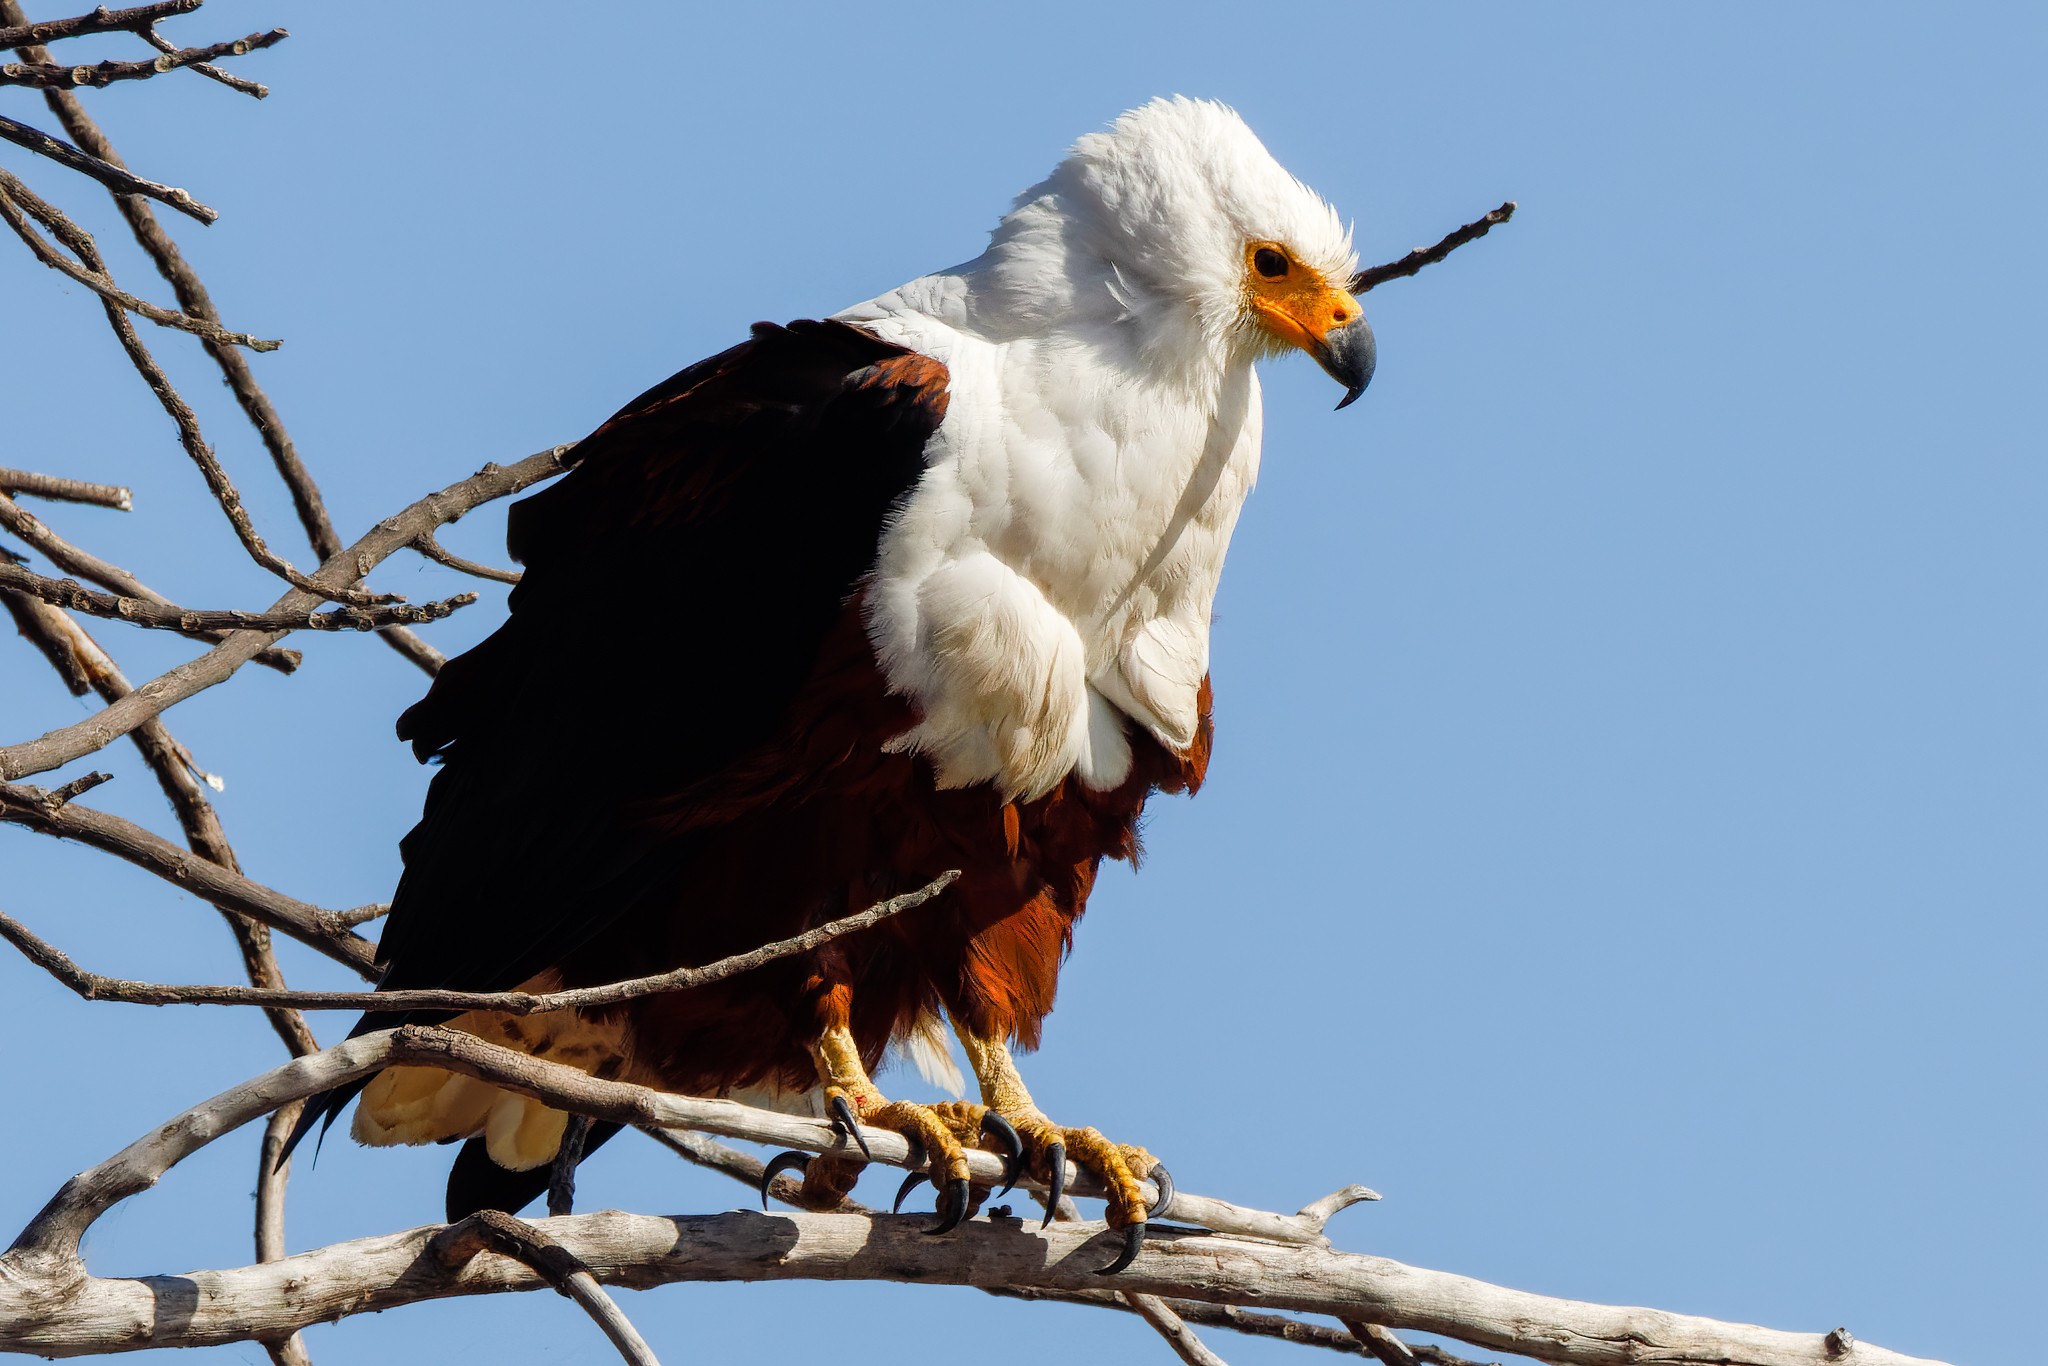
(51, 1306)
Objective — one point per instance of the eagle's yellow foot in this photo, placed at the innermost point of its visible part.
(937, 1150)
(1050, 1150)
(962, 1124)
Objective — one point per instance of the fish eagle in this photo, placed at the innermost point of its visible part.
(922, 586)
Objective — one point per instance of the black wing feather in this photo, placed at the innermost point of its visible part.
(680, 580)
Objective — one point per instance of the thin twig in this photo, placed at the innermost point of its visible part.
(234, 364)
(319, 929)
(63, 796)
(35, 621)
(60, 490)
(428, 546)
(180, 780)
(189, 435)
(76, 741)
(496, 1231)
(255, 89)
(113, 177)
(72, 559)
(70, 594)
(57, 76)
(101, 20)
(1175, 1330)
(363, 915)
(95, 986)
(11, 189)
(1424, 256)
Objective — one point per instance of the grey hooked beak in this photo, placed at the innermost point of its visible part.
(1349, 353)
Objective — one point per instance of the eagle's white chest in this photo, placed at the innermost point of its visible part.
(1054, 570)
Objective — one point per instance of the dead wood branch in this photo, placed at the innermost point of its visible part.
(71, 594)
(57, 76)
(12, 190)
(101, 729)
(81, 245)
(17, 482)
(115, 178)
(255, 89)
(319, 929)
(440, 554)
(101, 20)
(194, 300)
(94, 986)
(704, 1151)
(50, 1305)
(1424, 256)
(36, 622)
(204, 1308)
(37, 534)
(181, 781)
(495, 1231)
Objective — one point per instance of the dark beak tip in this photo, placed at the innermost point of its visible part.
(1351, 358)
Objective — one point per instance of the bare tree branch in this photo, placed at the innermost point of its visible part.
(1174, 1329)
(271, 1178)
(1424, 256)
(58, 76)
(55, 75)
(179, 778)
(69, 593)
(34, 621)
(50, 1305)
(37, 534)
(495, 1231)
(187, 422)
(194, 300)
(12, 189)
(439, 554)
(95, 732)
(319, 929)
(115, 178)
(207, 69)
(204, 1308)
(712, 1155)
(101, 20)
(94, 986)
(18, 482)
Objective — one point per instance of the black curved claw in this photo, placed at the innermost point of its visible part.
(919, 1155)
(1134, 1238)
(1163, 1179)
(781, 1162)
(847, 1125)
(1055, 1158)
(952, 1207)
(996, 1127)
(910, 1183)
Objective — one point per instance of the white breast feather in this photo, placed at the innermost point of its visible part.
(1054, 569)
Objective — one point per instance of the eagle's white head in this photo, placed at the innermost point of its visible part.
(1174, 236)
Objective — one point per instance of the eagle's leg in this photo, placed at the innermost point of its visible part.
(1049, 1148)
(940, 1132)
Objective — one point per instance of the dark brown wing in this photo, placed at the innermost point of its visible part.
(679, 583)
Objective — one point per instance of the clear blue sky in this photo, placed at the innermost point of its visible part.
(1624, 847)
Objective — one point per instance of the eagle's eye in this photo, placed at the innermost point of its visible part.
(1269, 263)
